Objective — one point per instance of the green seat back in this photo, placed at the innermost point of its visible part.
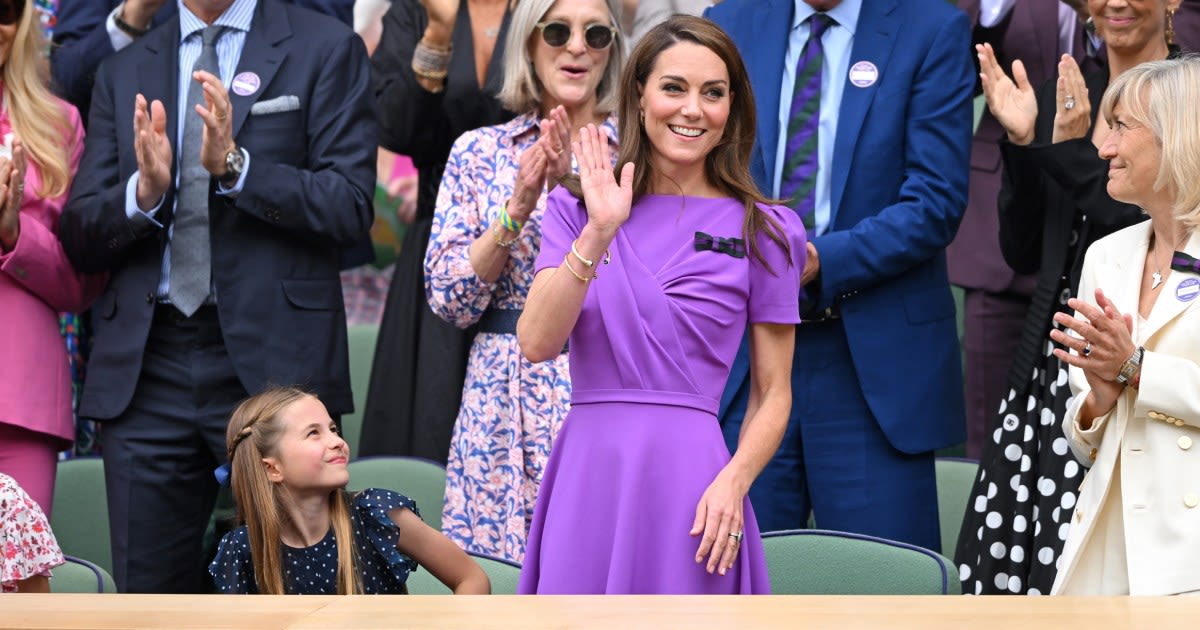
(419, 479)
(503, 574)
(80, 576)
(955, 478)
(79, 516)
(820, 562)
(361, 339)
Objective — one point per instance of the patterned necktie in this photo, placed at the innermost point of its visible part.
(191, 255)
(800, 156)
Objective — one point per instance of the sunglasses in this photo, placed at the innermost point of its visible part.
(10, 11)
(596, 36)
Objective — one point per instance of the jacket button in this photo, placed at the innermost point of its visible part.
(112, 243)
(150, 297)
(1191, 500)
(1185, 442)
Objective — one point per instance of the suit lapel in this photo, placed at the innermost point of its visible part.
(873, 42)
(1120, 277)
(764, 63)
(1168, 306)
(158, 76)
(262, 55)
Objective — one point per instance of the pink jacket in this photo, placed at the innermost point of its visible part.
(36, 283)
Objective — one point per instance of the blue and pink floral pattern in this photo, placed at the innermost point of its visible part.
(511, 409)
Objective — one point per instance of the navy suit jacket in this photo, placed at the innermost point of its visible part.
(307, 192)
(899, 188)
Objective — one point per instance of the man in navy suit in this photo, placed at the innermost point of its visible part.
(281, 179)
(877, 382)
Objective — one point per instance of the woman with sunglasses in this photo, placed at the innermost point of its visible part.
(561, 73)
(437, 73)
(654, 277)
(41, 140)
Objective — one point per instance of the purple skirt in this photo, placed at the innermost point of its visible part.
(617, 502)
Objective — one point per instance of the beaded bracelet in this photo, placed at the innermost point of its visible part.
(567, 263)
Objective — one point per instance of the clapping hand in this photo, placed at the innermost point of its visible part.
(1014, 104)
(607, 200)
(531, 180)
(1073, 116)
(12, 195)
(1103, 340)
(555, 139)
(153, 151)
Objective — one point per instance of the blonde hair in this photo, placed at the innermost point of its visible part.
(253, 433)
(1162, 95)
(522, 91)
(38, 118)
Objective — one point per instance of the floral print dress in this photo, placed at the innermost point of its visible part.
(27, 546)
(511, 409)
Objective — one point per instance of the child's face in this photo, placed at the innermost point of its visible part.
(310, 454)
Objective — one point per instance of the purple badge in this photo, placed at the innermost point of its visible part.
(863, 74)
(1187, 290)
(246, 84)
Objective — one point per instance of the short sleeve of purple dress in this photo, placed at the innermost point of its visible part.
(650, 355)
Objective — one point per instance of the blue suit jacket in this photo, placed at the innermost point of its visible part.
(899, 189)
(307, 192)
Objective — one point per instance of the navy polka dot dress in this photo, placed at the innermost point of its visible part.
(312, 570)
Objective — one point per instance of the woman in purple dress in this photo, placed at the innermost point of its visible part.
(654, 277)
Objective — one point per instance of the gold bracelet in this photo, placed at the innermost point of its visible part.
(567, 263)
(588, 263)
(501, 242)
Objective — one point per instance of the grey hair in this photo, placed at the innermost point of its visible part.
(522, 91)
(1162, 95)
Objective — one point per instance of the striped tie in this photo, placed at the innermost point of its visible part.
(800, 157)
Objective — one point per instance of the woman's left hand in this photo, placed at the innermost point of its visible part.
(719, 518)
(1102, 342)
(12, 192)
(1074, 121)
(556, 142)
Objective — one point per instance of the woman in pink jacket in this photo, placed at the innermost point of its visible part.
(41, 140)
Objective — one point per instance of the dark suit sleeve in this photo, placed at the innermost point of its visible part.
(341, 9)
(412, 120)
(94, 229)
(933, 194)
(81, 42)
(1021, 208)
(330, 199)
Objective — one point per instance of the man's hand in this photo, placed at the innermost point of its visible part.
(153, 151)
(139, 13)
(217, 111)
(812, 265)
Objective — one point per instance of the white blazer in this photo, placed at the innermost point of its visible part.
(1155, 429)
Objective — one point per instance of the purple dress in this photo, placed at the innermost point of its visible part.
(650, 354)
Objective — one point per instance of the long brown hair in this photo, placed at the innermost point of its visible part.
(727, 166)
(253, 433)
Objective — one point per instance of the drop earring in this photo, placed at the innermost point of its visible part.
(1170, 27)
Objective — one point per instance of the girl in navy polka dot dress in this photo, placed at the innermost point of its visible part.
(301, 532)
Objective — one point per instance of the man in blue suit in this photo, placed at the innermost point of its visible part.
(218, 215)
(877, 382)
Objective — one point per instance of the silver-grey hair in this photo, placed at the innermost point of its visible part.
(522, 91)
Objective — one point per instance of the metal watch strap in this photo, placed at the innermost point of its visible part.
(1130, 366)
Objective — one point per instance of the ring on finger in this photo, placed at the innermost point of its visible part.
(736, 536)
(1087, 348)
(1070, 102)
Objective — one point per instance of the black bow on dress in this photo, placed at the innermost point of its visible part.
(735, 247)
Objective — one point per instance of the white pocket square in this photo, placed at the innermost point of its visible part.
(275, 105)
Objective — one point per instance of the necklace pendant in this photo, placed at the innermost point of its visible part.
(491, 31)
(1155, 280)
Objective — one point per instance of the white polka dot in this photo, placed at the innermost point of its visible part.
(1015, 482)
(1010, 422)
(1071, 469)
(1047, 418)
(1062, 531)
(1068, 501)
(978, 587)
(1012, 452)
(979, 533)
(1028, 433)
(964, 572)
(991, 491)
(1046, 486)
(994, 520)
(1026, 463)
(1062, 378)
(996, 435)
(998, 550)
(1045, 555)
(1022, 495)
(1019, 524)
(1001, 581)
(1033, 591)
(1059, 446)
(1014, 584)
(1017, 553)
(1056, 515)
(1037, 527)
(1030, 404)
(980, 503)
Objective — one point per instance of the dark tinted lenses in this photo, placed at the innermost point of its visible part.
(10, 11)
(557, 34)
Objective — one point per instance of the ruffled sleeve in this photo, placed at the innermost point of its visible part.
(381, 533)
(27, 546)
(233, 569)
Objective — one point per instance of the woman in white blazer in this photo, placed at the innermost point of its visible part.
(1134, 351)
